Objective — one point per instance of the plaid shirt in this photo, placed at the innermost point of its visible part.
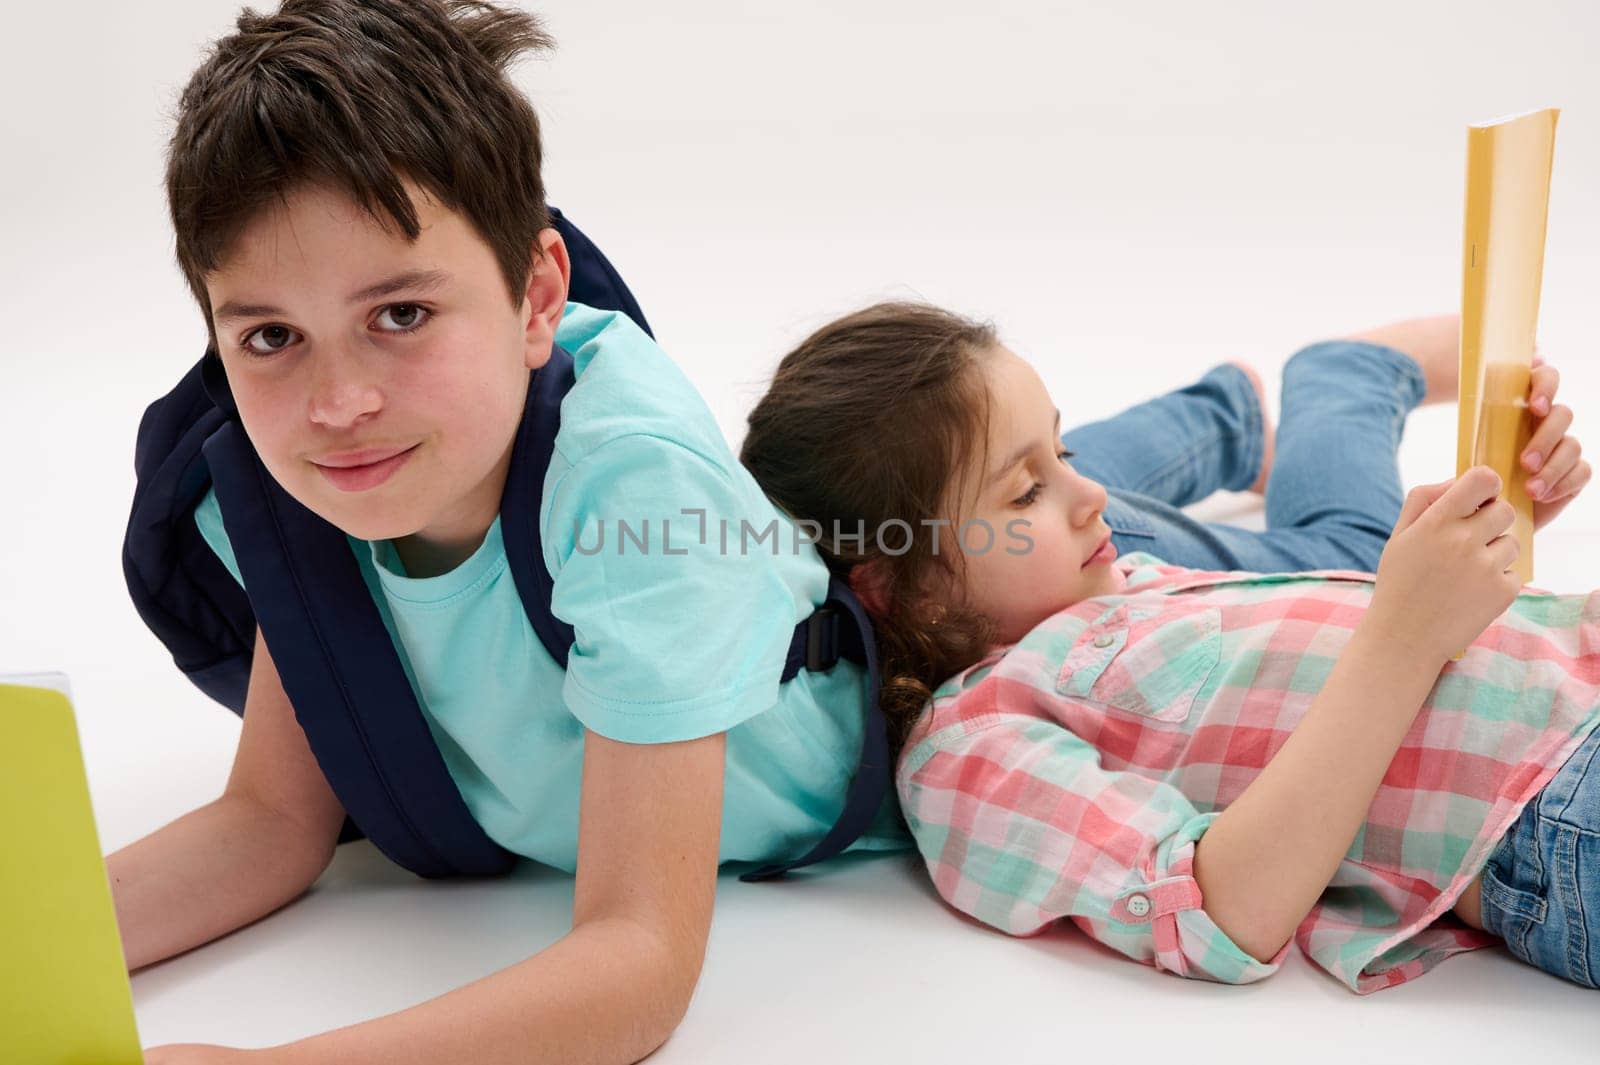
(1071, 775)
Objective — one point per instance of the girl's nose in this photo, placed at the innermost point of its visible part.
(1088, 498)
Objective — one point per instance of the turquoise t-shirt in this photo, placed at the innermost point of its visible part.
(682, 623)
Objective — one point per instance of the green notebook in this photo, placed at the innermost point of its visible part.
(64, 994)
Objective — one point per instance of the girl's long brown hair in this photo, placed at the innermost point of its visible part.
(875, 417)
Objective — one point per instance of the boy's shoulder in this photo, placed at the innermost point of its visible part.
(627, 386)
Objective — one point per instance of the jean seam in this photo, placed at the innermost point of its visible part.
(1254, 453)
(1149, 485)
(1563, 884)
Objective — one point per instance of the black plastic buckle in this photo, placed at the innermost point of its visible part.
(822, 638)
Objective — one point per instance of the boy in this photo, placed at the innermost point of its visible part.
(359, 213)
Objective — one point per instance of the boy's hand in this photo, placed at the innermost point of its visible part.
(1557, 472)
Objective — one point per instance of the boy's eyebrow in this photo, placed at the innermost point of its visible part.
(1022, 452)
(410, 281)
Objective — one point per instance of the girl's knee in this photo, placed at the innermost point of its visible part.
(1343, 365)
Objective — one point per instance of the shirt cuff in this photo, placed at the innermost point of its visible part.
(667, 721)
(1187, 941)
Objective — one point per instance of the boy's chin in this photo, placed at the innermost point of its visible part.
(367, 521)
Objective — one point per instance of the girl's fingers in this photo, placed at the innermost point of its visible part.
(1542, 385)
(1463, 497)
(1563, 475)
(1545, 438)
(1505, 551)
(1418, 500)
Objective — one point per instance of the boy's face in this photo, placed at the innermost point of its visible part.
(382, 381)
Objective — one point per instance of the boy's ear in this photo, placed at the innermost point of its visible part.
(548, 276)
(870, 582)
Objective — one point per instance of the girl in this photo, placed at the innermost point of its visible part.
(1196, 765)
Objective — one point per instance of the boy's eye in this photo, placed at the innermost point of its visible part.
(1065, 455)
(404, 317)
(274, 337)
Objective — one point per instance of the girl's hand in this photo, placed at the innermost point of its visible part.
(1444, 574)
(1557, 471)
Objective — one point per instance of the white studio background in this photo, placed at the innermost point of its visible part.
(1132, 192)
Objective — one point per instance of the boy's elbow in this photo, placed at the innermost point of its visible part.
(665, 974)
(679, 966)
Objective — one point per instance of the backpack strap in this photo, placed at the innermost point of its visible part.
(840, 628)
(519, 503)
(342, 674)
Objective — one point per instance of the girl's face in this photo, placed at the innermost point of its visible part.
(1045, 516)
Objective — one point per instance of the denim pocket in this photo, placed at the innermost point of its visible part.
(1514, 904)
(1515, 892)
(1146, 660)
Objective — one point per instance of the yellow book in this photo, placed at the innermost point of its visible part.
(1502, 266)
(65, 998)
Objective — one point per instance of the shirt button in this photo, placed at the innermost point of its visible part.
(1105, 639)
(1138, 905)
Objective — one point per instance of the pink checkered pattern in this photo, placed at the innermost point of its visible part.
(1072, 775)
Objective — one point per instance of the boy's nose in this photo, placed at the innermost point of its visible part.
(344, 389)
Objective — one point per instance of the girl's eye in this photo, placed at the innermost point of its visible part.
(406, 317)
(274, 337)
(1031, 496)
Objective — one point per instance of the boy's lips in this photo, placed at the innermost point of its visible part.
(343, 460)
(358, 471)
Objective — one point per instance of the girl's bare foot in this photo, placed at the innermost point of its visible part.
(1267, 430)
(1435, 343)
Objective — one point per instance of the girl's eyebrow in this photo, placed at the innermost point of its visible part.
(1022, 452)
(409, 281)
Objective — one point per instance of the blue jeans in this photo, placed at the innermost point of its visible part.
(1541, 887)
(1334, 492)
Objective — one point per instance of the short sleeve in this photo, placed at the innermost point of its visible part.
(1020, 826)
(208, 518)
(665, 566)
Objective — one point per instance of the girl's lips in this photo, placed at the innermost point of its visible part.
(363, 478)
(1107, 553)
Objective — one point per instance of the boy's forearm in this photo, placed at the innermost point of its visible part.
(215, 869)
(609, 991)
(1267, 858)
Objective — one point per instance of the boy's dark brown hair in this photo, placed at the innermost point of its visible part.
(356, 95)
(877, 417)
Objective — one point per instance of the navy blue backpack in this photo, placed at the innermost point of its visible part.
(335, 658)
